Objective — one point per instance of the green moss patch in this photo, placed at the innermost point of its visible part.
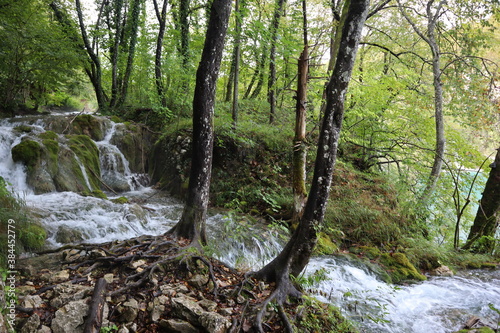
(400, 268)
(88, 153)
(27, 152)
(88, 125)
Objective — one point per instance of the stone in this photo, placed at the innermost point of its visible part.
(65, 235)
(208, 305)
(31, 301)
(66, 292)
(198, 281)
(31, 324)
(214, 322)
(177, 326)
(187, 308)
(443, 271)
(44, 329)
(70, 318)
(109, 277)
(56, 277)
(128, 311)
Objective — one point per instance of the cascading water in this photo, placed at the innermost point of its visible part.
(436, 305)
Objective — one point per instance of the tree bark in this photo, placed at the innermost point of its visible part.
(94, 318)
(271, 91)
(430, 38)
(298, 250)
(488, 213)
(299, 144)
(192, 223)
(162, 21)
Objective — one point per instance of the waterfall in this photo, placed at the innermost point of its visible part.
(439, 305)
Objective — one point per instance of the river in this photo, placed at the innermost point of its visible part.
(440, 304)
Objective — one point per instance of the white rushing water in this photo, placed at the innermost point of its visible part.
(439, 305)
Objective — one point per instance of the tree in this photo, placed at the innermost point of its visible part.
(192, 223)
(299, 144)
(161, 16)
(482, 233)
(296, 254)
(433, 15)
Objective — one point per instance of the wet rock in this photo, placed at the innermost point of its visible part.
(479, 325)
(65, 235)
(70, 318)
(31, 324)
(442, 271)
(178, 326)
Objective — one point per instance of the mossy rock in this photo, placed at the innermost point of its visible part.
(23, 129)
(96, 194)
(48, 135)
(120, 200)
(477, 330)
(27, 152)
(86, 124)
(399, 267)
(88, 153)
(52, 150)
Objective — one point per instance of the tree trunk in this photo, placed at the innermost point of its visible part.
(299, 144)
(162, 21)
(237, 53)
(192, 223)
(298, 250)
(430, 39)
(482, 233)
(271, 90)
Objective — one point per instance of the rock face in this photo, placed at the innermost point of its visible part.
(69, 155)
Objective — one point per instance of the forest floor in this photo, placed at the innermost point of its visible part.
(151, 284)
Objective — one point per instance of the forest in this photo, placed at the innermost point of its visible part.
(365, 131)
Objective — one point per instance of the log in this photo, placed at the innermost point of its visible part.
(94, 317)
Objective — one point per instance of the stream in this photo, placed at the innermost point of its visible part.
(440, 304)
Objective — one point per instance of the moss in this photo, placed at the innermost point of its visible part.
(88, 125)
(477, 330)
(33, 236)
(116, 119)
(96, 194)
(325, 244)
(320, 317)
(27, 152)
(48, 135)
(88, 153)
(23, 129)
(400, 268)
(120, 200)
(52, 149)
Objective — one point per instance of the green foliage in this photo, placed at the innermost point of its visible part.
(109, 329)
(315, 316)
(30, 236)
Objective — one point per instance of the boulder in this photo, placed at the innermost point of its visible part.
(31, 324)
(442, 271)
(177, 326)
(70, 318)
(189, 309)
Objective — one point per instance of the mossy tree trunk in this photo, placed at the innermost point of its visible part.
(192, 223)
(482, 233)
(298, 250)
(162, 21)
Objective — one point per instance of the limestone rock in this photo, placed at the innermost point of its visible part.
(66, 292)
(31, 324)
(443, 271)
(178, 326)
(31, 301)
(188, 308)
(214, 322)
(198, 281)
(70, 318)
(128, 310)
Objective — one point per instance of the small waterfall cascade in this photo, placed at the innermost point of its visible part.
(439, 305)
(115, 168)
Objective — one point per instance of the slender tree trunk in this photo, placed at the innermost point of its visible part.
(162, 21)
(95, 73)
(300, 147)
(115, 52)
(134, 27)
(271, 86)
(430, 39)
(488, 213)
(298, 250)
(184, 29)
(192, 223)
(237, 54)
